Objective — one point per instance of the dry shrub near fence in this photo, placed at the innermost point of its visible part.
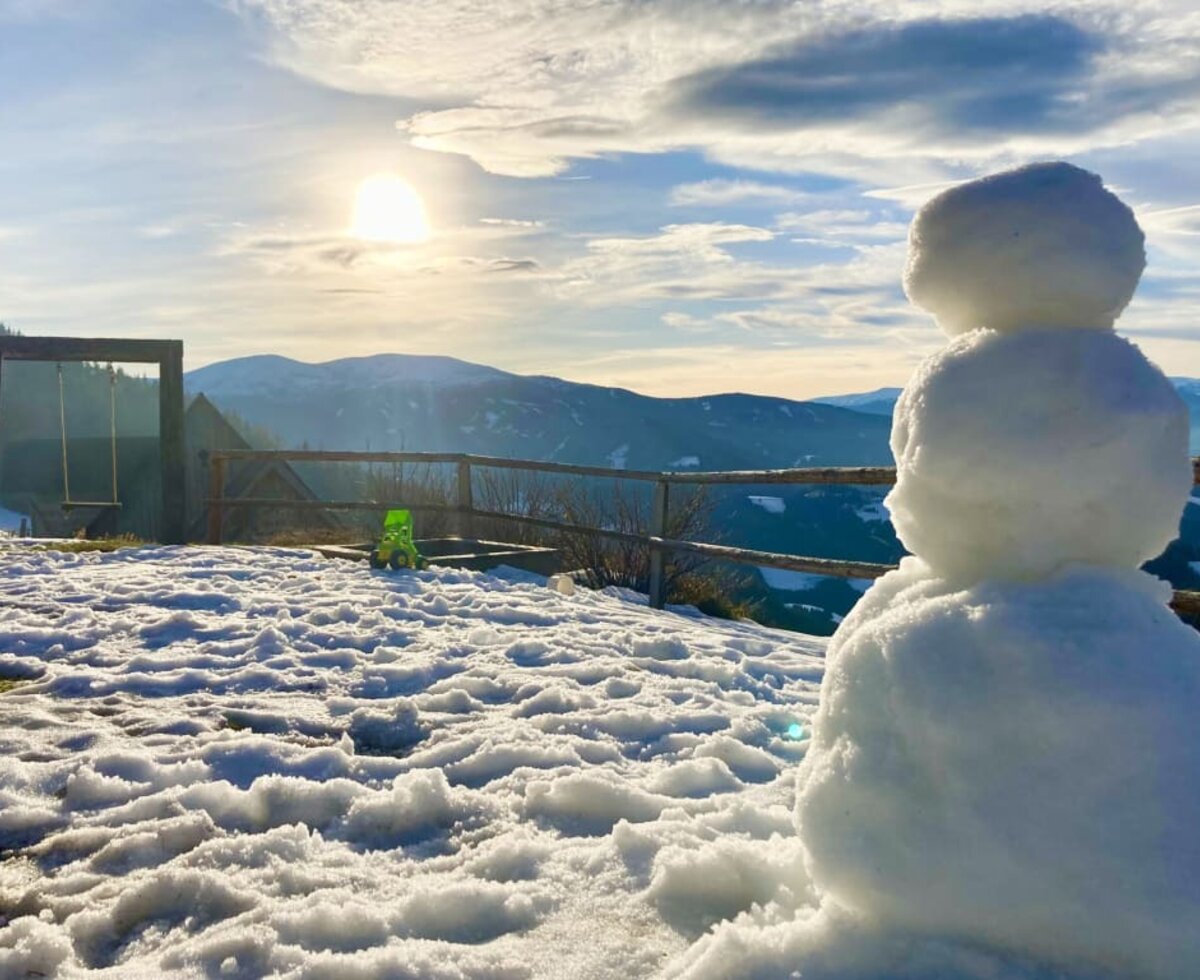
(415, 486)
(611, 504)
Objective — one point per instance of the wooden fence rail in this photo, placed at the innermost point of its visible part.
(465, 512)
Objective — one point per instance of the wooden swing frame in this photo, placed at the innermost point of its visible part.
(168, 355)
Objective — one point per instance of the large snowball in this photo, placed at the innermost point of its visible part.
(1014, 764)
(1043, 245)
(1018, 453)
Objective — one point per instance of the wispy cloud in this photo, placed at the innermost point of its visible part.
(1183, 220)
(722, 192)
(843, 226)
(731, 181)
(524, 89)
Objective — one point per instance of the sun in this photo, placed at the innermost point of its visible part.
(388, 209)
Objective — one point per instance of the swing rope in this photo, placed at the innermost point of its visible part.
(62, 428)
(112, 417)
(68, 503)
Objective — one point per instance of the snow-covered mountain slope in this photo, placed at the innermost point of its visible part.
(394, 402)
(397, 401)
(278, 376)
(881, 401)
(243, 763)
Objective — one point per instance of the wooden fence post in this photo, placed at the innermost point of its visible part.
(216, 493)
(658, 529)
(465, 504)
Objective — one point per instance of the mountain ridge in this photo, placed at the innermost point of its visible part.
(422, 402)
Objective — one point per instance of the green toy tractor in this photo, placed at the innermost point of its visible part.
(396, 548)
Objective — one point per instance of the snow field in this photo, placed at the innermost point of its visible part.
(235, 763)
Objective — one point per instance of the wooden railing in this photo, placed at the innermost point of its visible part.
(464, 511)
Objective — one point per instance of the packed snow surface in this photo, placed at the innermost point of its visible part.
(1021, 452)
(1042, 245)
(236, 763)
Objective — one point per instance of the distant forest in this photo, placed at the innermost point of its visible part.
(30, 415)
(29, 407)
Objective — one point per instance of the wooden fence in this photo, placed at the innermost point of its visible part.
(464, 510)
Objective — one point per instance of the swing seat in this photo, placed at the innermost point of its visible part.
(69, 505)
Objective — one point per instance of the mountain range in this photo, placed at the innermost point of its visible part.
(394, 402)
(398, 402)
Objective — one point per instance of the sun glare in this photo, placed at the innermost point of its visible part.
(387, 209)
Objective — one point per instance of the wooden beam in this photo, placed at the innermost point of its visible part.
(465, 499)
(1186, 603)
(854, 475)
(552, 525)
(658, 529)
(866, 475)
(335, 456)
(115, 349)
(771, 559)
(283, 503)
(216, 496)
(171, 447)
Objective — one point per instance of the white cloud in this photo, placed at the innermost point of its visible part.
(1171, 221)
(730, 365)
(686, 261)
(911, 196)
(846, 87)
(517, 224)
(790, 303)
(721, 193)
(844, 226)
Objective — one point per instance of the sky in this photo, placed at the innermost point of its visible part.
(676, 196)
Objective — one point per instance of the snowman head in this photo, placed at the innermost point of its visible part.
(1040, 246)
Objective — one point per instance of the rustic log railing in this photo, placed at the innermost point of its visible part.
(660, 546)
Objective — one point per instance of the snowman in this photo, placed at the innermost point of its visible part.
(1007, 750)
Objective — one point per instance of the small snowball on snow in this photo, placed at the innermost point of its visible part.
(1043, 245)
(561, 583)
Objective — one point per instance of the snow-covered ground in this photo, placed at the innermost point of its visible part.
(772, 505)
(236, 763)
